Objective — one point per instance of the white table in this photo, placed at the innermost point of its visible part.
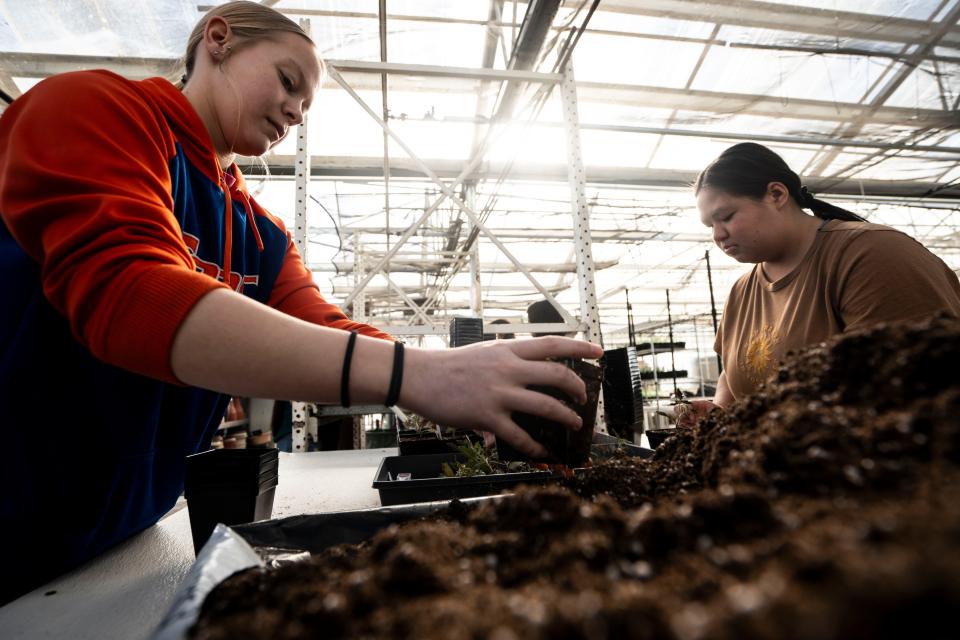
(125, 592)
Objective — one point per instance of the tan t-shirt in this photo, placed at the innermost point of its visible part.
(855, 274)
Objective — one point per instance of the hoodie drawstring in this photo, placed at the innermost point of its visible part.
(228, 239)
(251, 221)
(228, 223)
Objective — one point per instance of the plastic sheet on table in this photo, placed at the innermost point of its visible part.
(233, 549)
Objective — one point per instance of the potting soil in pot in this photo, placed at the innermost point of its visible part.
(825, 506)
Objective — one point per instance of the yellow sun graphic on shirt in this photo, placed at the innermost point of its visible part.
(759, 355)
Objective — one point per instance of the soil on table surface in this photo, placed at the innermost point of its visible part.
(827, 505)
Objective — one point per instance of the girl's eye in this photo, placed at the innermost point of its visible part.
(286, 82)
(727, 218)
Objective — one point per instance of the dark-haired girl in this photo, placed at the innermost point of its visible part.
(814, 276)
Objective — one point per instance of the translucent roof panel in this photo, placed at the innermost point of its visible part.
(638, 60)
(929, 87)
(136, 28)
(916, 9)
(787, 74)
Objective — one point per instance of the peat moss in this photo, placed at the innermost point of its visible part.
(827, 505)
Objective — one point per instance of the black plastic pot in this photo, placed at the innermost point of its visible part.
(412, 442)
(565, 446)
(232, 486)
(622, 392)
(381, 438)
(657, 436)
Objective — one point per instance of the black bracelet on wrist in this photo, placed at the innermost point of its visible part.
(396, 376)
(345, 372)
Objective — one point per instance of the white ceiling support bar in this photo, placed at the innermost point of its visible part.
(852, 24)
(857, 189)
(434, 71)
(302, 172)
(767, 15)
(581, 211)
(43, 65)
(410, 303)
(598, 235)
(449, 193)
(443, 328)
(752, 104)
(8, 86)
(758, 137)
(399, 266)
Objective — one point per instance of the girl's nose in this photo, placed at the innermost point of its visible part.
(294, 113)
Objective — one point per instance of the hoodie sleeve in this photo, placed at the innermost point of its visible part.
(85, 190)
(296, 293)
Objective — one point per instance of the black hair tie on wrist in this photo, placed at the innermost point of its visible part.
(345, 372)
(396, 376)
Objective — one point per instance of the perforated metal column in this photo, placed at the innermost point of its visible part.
(299, 430)
(302, 173)
(589, 313)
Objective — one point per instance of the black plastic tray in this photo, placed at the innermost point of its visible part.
(427, 483)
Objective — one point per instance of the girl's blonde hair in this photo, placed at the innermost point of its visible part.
(249, 22)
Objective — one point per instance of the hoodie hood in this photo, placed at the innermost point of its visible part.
(197, 144)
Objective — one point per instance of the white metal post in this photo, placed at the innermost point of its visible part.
(299, 427)
(581, 211)
(476, 301)
(302, 173)
(589, 314)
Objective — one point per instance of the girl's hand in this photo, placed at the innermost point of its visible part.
(691, 412)
(479, 386)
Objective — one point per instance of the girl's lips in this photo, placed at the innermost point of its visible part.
(277, 128)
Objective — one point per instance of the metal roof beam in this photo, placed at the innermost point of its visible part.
(365, 76)
(451, 169)
(799, 19)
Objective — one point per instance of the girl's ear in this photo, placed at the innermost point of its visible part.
(216, 35)
(778, 194)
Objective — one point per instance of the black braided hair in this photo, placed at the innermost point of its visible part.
(748, 168)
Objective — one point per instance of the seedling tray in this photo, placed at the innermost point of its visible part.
(427, 483)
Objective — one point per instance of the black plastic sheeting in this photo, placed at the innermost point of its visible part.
(232, 549)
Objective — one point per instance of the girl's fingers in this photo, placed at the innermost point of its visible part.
(519, 439)
(554, 374)
(554, 347)
(540, 404)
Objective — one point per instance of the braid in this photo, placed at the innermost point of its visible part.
(824, 210)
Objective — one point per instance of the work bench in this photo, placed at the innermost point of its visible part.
(126, 591)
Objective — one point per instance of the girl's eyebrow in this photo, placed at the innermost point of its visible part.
(296, 67)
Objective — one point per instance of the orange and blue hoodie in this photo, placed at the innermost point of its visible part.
(116, 220)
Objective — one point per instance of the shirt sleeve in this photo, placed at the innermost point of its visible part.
(85, 190)
(887, 276)
(295, 293)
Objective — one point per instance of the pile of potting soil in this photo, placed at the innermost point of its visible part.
(825, 506)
